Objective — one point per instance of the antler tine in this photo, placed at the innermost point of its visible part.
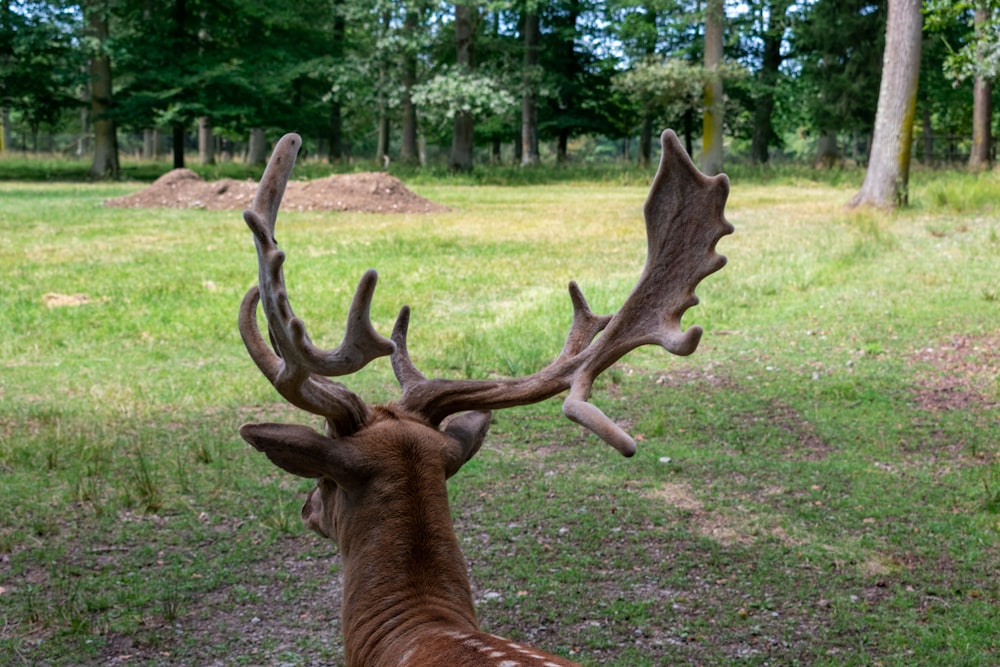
(684, 222)
(296, 366)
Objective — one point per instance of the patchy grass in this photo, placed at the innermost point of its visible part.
(819, 483)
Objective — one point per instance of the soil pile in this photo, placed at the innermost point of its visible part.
(370, 192)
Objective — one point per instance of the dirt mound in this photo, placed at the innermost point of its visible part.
(370, 192)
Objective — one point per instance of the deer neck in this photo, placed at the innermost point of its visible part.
(404, 574)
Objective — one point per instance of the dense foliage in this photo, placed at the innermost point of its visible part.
(367, 77)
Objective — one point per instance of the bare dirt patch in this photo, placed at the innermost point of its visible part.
(958, 374)
(369, 192)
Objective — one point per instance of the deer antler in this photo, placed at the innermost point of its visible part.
(296, 367)
(684, 221)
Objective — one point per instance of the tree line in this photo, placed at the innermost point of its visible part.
(383, 79)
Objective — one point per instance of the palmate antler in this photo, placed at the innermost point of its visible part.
(684, 221)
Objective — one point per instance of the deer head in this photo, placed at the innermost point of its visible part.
(381, 470)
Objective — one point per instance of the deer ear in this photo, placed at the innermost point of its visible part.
(466, 432)
(300, 450)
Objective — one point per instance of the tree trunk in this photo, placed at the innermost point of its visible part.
(257, 150)
(712, 118)
(646, 142)
(206, 141)
(462, 144)
(409, 152)
(177, 131)
(767, 79)
(982, 109)
(982, 116)
(150, 138)
(827, 151)
(382, 147)
(5, 134)
(105, 163)
(335, 151)
(529, 98)
(83, 143)
(567, 32)
(887, 178)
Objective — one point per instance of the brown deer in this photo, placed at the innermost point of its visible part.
(381, 470)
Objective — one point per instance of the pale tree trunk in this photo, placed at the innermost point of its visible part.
(105, 163)
(462, 142)
(529, 100)
(887, 178)
(206, 141)
(5, 133)
(982, 109)
(712, 118)
(150, 139)
(83, 143)
(409, 151)
(257, 150)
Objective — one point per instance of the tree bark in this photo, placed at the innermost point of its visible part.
(982, 109)
(712, 118)
(150, 139)
(827, 151)
(177, 132)
(105, 164)
(257, 150)
(335, 151)
(462, 140)
(5, 133)
(767, 79)
(206, 141)
(382, 147)
(887, 178)
(646, 142)
(409, 151)
(529, 99)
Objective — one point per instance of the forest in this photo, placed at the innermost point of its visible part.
(514, 81)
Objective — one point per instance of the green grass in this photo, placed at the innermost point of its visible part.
(813, 486)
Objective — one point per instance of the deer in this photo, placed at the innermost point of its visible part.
(381, 470)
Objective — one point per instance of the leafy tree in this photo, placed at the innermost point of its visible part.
(40, 67)
(977, 57)
(770, 25)
(105, 164)
(838, 46)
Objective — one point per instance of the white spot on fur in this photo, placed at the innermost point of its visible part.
(508, 663)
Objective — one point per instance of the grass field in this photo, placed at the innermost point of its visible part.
(818, 484)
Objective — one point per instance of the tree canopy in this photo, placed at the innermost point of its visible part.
(367, 78)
